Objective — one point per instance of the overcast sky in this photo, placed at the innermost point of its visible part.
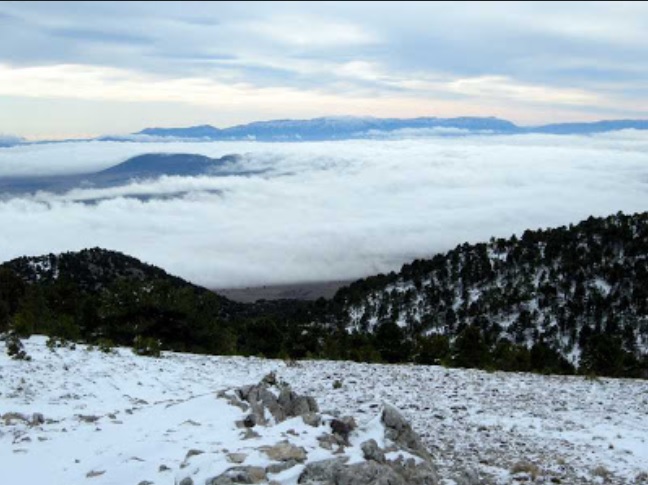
(79, 69)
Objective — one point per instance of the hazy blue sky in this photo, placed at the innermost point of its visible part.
(77, 69)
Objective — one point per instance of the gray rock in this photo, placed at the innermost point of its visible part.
(284, 451)
(342, 427)
(37, 418)
(270, 379)
(146, 482)
(237, 458)
(295, 405)
(368, 473)
(280, 467)
(233, 400)
(312, 419)
(323, 471)
(193, 452)
(250, 420)
(468, 477)
(372, 451)
(239, 474)
(10, 417)
(400, 432)
(187, 481)
(249, 434)
(422, 474)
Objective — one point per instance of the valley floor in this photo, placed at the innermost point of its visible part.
(115, 418)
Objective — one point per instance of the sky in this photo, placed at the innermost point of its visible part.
(322, 211)
(84, 69)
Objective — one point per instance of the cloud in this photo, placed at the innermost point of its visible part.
(327, 210)
(228, 62)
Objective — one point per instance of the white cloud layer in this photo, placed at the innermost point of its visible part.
(328, 210)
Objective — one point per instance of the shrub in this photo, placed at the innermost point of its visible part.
(15, 348)
(147, 346)
(337, 384)
(105, 345)
(527, 468)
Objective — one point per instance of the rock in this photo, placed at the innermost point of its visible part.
(468, 477)
(37, 418)
(295, 405)
(280, 467)
(10, 417)
(193, 452)
(270, 379)
(163, 468)
(400, 432)
(302, 405)
(372, 451)
(237, 458)
(422, 474)
(368, 473)
(250, 421)
(146, 482)
(312, 419)
(327, 441)
(93, 473)
(239, 474)
(284, 451)
(342, 427)
(323, 471)
(250, 433)
(186, 481)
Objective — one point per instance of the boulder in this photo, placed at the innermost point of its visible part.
(237, 458)
(280, 467)
(284, 451)
(312, 419)
(342, 427)
(37, 418)
(400, 432)
(372, 451)
(368, 473)
(323, 471)
(239, 474)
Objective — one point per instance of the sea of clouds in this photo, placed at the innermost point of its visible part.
(322, 210)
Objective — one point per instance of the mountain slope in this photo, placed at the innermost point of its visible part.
(556, 300)
(578, 291)
(146, 166)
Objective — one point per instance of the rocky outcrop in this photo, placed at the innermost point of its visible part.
(398, 430)
(286, 405)
(239, 474)
(398, 458)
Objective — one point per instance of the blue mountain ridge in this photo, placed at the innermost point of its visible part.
(346, 127)
(354, 127)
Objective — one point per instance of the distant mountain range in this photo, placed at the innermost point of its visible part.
(352, 127)
(149, 166)
(348, 127)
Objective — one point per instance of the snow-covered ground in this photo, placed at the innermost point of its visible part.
(121, 419)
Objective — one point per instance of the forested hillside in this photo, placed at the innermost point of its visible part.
(563, 300)
(573, 296)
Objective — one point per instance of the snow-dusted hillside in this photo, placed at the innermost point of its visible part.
(579, 290)
(121, 419)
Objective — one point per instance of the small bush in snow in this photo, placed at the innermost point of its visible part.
(15, 348)
(146, 346)
(527, 468)
(105, 345)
